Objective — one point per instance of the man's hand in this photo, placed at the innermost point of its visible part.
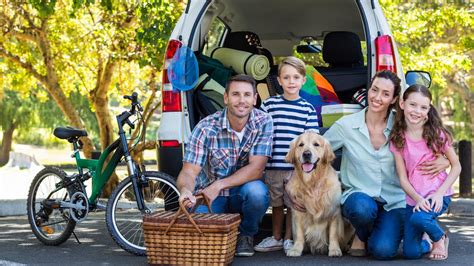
(186, 181)
(212, 191)
(187, 198)
(434, 167)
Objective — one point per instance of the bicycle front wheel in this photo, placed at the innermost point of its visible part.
(51, 224)
(124, 219)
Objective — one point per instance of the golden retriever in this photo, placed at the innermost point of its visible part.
(315, 186)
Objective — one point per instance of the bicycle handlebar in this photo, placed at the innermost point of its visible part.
(123, 118)
(135, 103)
(133, 97)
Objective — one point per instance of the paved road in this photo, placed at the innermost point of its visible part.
(19, 246)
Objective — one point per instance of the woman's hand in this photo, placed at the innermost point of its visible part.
(434, 167)
(436, 202)
(422, 204)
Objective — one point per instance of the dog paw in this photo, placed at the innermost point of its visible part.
(294, 252)
(335, 252)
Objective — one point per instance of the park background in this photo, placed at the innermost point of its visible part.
(69, 63)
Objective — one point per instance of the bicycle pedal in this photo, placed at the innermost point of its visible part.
(100, 206)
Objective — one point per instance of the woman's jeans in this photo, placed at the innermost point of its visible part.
(250, 199)
(382, 230)
(417, 223)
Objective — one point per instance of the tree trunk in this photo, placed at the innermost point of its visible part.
(54, 88)
(39, 36)
(106, 136)
(149, 108)
(6, 146)
(137, 153)
(100, 100)
(104, 119)
(459, 85)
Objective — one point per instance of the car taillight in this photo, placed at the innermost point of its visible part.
(171, 100)
(168, 143)
(384, 53)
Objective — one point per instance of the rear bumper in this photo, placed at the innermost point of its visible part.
(170, 160)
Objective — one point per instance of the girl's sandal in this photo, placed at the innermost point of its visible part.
(437, 254)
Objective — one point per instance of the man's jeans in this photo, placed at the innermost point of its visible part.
(382, 230)
(416, 224)
(250, 199)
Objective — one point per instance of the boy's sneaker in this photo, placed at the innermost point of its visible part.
(269, 244)
(287, 244)
(244, 246)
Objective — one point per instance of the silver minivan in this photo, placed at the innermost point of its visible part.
(347, 41)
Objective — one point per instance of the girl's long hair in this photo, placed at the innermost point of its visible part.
(433, 129)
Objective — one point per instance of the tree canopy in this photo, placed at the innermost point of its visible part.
(97, 49)
(438, 37)
(101, 49)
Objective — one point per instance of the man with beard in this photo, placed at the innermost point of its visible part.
(225, 158)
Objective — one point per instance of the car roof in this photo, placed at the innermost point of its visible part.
(281, 24)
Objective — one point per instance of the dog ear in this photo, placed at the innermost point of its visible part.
(329, 155)
(291, 156)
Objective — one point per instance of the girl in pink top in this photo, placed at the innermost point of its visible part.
(418, 135)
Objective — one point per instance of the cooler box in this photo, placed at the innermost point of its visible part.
(331, 113)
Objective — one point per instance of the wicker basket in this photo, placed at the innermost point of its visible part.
(183, 238)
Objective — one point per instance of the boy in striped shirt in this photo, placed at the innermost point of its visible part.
(291, 115)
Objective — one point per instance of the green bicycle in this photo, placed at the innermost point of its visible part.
(58, 201)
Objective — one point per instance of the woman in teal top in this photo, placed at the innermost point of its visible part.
(373, 200)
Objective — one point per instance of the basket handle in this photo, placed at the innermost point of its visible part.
(182, 209)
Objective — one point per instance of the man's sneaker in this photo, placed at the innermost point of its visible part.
(244, 246)
(269, 244)
(287, 244)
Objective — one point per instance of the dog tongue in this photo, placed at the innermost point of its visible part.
(307, 167)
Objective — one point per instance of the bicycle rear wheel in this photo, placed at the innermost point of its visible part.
(50, 224)
(124, 219)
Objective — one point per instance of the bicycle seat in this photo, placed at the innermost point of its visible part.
(69, 132)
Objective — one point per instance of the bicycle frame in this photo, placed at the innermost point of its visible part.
(120, 149)
(57, 201)
(99, 176)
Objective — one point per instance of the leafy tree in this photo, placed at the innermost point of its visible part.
(437, 36)
(100, 48)
(26, 41)
(17, 112)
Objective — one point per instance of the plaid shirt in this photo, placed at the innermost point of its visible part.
(215, 147)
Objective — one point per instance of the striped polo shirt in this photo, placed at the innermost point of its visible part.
(290, 119)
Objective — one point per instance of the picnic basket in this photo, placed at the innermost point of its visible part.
(190, 238)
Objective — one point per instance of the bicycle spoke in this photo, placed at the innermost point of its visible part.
(124, 220)
(51, 226)
(133, 230)
(54, 223)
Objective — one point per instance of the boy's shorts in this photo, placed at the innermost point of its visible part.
(276, 180)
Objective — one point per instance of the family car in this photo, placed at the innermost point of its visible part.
(343, 42)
